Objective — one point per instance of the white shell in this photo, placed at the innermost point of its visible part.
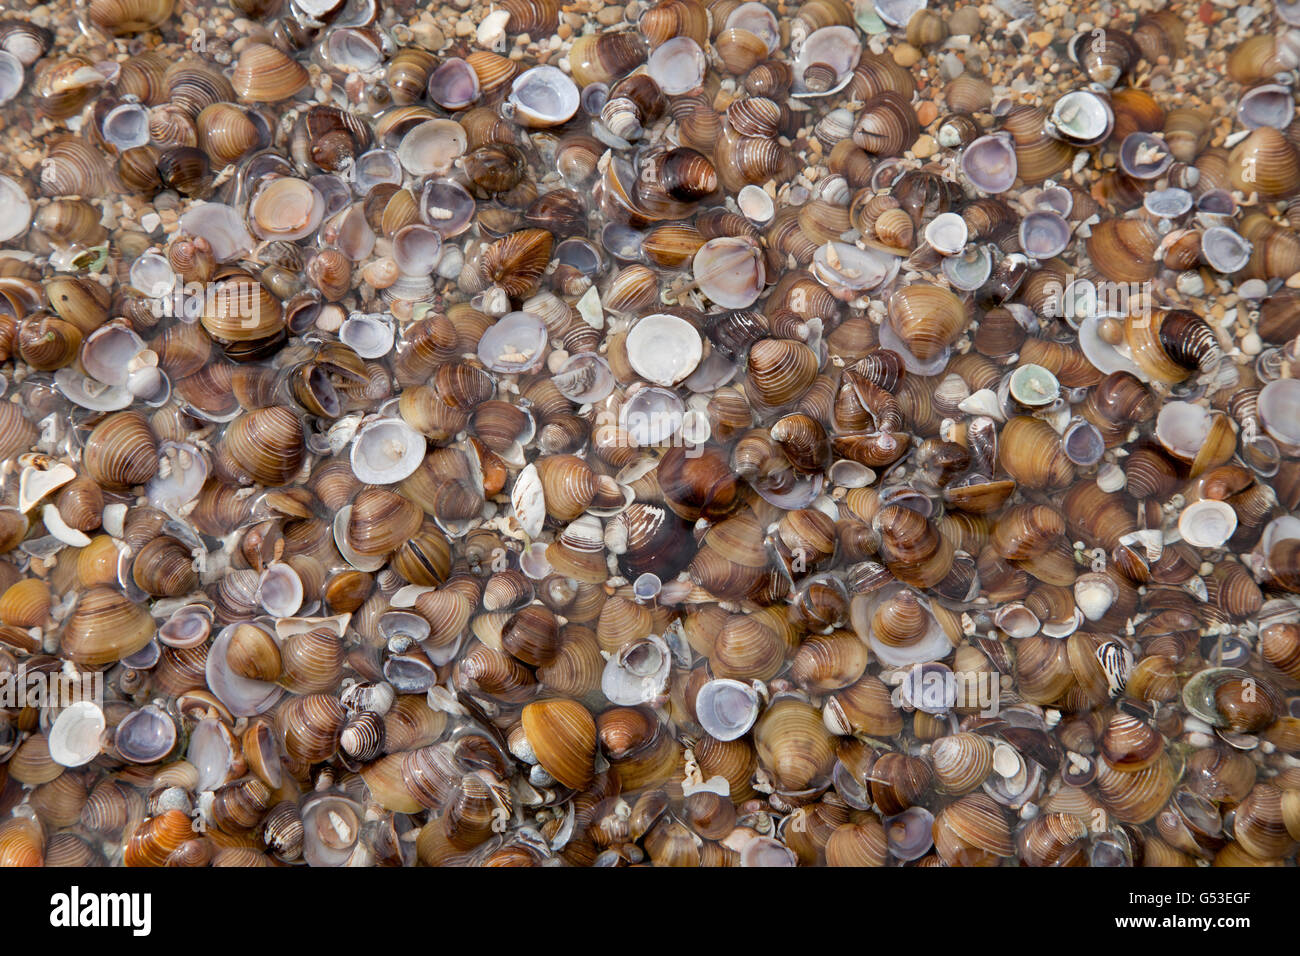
(184, 480)
(88, 393)
(222, 226)
(17, 210)
(432, 147)
(76, 736)
(35, 483)
(638, 673)
(730, 271)
(983, 402)
(1105, 357)
(108, 351)
(755, 204)
(540, 97)
(280, 590)
(331, 829)
(664, 349)
(1094, 593)
(677, 65)
(1081, 117)
(1207, 523)
(56, 526)
(726, 708)
(1182, 428)
(528, 501)
(897, 12)
(837, 47)
(843, 266)
(947, 233)
(370, 335)
(188, 626)
(1017, 621)
(386, 451)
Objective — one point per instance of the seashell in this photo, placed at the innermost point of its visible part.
(740, 50)
(1038, 156)
(60, 87)
(1129, 744)
(927, 318)
(264, 74)
(1227, 697)
(562, 735)
(156, 838)
(1265, 163)
(454, 84)
(864, 707)
(887, 125)
(729, 271)
(516, 261)
(46, 343)
(263, 446)
(541, 97)
(312, 662)
(72, 168)
(164, 568)
(1274, 251)
(961, 762)
(972, 832)
(926, 28)
(1260, 57)
(121, 451)
(605, 57)
(780, 370)
(226, 133)
(1266, 104)
(829, 662)
(1104, 57)
(125, 17)
(1136, 796)
(792, 744)
(105, 627)
(26, 42)
(1124, 249)
(672, 18)
(968, 93)
(1032, 454)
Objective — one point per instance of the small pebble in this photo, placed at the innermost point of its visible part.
(1251, 344)
(924, 147)
(965, 22)
(1253, 290)
(906, 55)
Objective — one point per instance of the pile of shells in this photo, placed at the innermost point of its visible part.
(706, 435)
